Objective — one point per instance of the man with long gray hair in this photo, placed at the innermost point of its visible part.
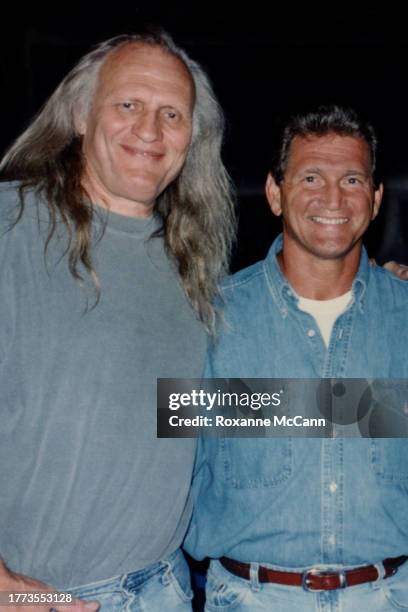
(112, 244)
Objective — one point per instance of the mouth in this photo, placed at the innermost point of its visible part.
(138, 152)
(330, 220)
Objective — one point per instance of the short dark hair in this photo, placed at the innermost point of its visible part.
(324, 120)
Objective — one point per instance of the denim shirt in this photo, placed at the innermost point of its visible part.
(301, 502)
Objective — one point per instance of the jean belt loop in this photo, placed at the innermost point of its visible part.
(166, 578)
(380, 569)
(123, 581)
(254, 576)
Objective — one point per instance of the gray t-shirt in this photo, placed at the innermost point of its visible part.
(87, 490)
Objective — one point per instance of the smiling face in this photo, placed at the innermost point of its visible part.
(327, 197)
(138, 131)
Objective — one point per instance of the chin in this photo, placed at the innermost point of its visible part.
(141, 191)
(332, 252)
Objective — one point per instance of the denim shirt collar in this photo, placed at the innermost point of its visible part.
(285, 296)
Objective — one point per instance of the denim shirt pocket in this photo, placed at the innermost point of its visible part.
(389, 458)
(251, 463)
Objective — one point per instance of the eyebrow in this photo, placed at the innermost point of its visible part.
(308, 170)
(348, 172)
(358, 172)
(135, 90)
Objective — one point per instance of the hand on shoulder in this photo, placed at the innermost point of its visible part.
(399, 270)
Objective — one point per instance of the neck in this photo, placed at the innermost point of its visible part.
(316, 278)
(120, 205)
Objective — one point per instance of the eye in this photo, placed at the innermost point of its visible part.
(128, 106)
(311, 181)
(171, 115)
(353, 181)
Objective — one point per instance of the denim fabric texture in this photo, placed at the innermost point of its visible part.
(228, 592)
(164, 586)
(301, 503)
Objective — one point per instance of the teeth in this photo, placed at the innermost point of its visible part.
(328, 221)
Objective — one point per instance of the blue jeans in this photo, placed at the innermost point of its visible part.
(228, 592)
(164, 586)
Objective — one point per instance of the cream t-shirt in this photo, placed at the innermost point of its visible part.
(325, 312)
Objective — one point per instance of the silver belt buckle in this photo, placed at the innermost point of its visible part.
(316, 572)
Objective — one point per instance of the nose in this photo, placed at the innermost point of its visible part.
(147, 126)
(333, 196)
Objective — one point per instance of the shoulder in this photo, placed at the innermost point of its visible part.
(243, 278)
(389, 285)
(383, 277)
(241, 294)
(10, 210)
(17, 205)
(24, 221)
(9, 200)
(239, 291)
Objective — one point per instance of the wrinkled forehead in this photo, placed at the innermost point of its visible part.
(142, 61)
(329, 149)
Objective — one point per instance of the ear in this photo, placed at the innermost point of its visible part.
(378, 194)
(79, 121)
(273, 195)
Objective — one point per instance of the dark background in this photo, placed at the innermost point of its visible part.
(265, 61)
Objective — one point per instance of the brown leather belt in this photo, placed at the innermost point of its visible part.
(315, 579)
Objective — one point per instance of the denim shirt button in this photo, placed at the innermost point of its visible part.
(333, 487)
(311, 333)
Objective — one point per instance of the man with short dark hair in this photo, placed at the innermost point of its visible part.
(111, 248)
(310, 524)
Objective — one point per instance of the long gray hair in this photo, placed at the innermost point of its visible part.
(196, 209)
